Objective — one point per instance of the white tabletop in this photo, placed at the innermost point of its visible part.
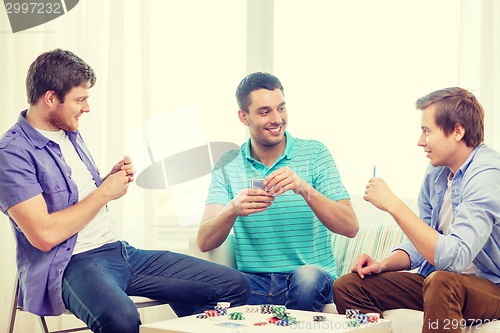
(333, 322)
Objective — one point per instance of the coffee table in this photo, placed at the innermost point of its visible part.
(333, 323)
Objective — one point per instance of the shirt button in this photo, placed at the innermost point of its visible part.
(13, 132)
(60, 271)
(68, 248)
(57, 188)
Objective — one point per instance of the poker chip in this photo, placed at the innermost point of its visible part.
(236, 316)
(319, 318)
(280, 312)
(252, 308)
(260, 323)
(362, 318)
(202, 316)
(373, 317)
(267, 309)
(353, 322)
(273, 320)
(286, 322)
(351, 313)
(211, 313)
(221, 310)
(226, 305)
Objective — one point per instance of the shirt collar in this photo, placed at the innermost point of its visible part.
(442, 179)
(38, 139)
(287, 153)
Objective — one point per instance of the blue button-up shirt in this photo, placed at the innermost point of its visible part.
(31, 164)
(474, 235)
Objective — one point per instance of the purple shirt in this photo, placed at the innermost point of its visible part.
(31, 164)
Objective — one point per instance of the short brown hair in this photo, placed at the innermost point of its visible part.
(255, 81)
(57, 70)
(456, 106)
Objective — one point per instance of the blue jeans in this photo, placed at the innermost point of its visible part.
(96, 285)
(307, 288)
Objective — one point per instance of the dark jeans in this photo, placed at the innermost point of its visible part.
(96, 285)
(450, 301)
(308, 288)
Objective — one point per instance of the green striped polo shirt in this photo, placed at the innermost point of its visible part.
(288, 234)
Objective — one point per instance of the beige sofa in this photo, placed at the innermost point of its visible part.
(378, 240)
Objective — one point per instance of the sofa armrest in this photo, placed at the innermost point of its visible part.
(224, 254)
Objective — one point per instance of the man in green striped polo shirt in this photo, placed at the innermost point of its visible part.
(283, 229)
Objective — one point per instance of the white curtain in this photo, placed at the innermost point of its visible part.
(479, 60)
(152, 58)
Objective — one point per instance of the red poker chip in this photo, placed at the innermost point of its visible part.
(211, 313)
(273, 320)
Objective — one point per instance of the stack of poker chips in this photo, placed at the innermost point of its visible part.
(280, 312)
(352, 317)
(281, 316)
(353, 322)
(252, 308)
(236, 316)
(373, 317)
(221, 308)
(286, 322)
(355, 318)
(267, 308)
(211, 313)
(362, 318)
(351, 313)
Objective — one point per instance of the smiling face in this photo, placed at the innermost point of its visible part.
(441, 149)
(66, 115)
(266, 118)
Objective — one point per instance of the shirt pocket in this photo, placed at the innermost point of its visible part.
(56, 194)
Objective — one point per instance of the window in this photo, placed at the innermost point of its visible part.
(352, 71)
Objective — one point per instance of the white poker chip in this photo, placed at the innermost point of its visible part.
(224, 304)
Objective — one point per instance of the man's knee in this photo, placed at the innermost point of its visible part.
(238, 287)
(310, 275)
(346, 282)
(440, 283)
(344, 288)
(119, 319)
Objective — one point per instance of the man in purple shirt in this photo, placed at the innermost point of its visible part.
(68, 252)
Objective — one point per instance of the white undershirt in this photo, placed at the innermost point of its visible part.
(446, 220)
(101, 229)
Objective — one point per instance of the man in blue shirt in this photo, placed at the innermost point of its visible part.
(69, 255)
(283, 228)
(454, 243)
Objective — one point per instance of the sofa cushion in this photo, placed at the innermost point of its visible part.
(377, 240)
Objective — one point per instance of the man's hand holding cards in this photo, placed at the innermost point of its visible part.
(257, 183)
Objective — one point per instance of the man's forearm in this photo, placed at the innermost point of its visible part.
(214, 230)
(422, 236)
(396, 261)
(338, 217)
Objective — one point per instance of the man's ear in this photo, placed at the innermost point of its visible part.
(243, 117)
(50, 98)
(459, 132)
